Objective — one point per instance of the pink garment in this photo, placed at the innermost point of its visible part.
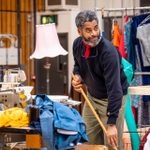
(122, 45)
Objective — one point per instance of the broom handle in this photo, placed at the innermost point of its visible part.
(93, 110)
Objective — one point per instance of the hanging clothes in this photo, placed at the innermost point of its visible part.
(147, 144)
(122, 49)
(134, 43)
(145, 139)
(143, 33)
(116, 35)
(137, 81)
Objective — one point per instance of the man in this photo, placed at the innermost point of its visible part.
(98, 66)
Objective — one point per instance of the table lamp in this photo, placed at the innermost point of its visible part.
(47, 45)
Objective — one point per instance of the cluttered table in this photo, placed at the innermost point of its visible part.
(26, 137)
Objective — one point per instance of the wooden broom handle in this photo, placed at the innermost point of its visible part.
(93, 110)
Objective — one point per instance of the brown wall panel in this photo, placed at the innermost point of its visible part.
(13, 27)
(9, 25)
(13, 5)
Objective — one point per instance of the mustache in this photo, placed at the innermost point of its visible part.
(92, 37)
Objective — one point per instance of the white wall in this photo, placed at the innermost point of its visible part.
(91, 4)
(107, 4)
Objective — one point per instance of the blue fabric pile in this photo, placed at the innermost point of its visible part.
(62, 127)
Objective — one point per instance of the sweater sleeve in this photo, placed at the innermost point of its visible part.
(76, 68)
(111, 65)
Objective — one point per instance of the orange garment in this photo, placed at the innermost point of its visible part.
(116, 35)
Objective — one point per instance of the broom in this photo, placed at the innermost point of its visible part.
(93, 110)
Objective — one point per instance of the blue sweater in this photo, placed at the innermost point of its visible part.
(102, 73)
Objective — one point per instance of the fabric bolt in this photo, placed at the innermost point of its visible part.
(143, 33)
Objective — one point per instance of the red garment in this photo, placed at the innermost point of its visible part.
(144, 139)
(87, 50)
(134, 113)
(122, 45)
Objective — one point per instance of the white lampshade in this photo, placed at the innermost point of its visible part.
(47, 42)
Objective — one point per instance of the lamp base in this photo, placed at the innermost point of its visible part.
(47, 66)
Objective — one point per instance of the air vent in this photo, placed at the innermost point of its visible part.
(61, 4)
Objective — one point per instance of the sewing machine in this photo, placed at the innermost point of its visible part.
(9, 99)
(12, 78)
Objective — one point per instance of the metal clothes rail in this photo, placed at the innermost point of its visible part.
(122, 9)
(142, 73)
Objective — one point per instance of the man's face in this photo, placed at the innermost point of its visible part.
(90, 32)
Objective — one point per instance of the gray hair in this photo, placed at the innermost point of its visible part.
(84, 16)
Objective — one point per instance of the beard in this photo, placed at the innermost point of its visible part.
(92, 41)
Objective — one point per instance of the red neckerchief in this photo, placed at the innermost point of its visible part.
(87, 50)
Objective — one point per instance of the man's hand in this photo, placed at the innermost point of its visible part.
(112, 135)
(76, 83)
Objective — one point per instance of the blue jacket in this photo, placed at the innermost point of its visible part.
(53, 116)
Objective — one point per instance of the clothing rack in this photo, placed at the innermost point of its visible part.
(123, 9)
(121, 12)
(131, 10)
